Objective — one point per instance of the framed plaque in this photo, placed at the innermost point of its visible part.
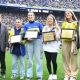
(67, 33)
(31, 34)
(48, 36)
(16, 39)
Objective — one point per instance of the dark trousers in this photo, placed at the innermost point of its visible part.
(51, 57)
(2, 61)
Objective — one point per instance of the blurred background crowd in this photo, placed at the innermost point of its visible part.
(75, 4)
(10, 17)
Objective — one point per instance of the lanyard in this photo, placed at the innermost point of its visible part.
(52, 29)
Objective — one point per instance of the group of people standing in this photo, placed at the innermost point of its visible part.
(35, 47)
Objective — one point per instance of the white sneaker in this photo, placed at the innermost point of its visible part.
(3, 76)
(39, 78)
(54, 77)
(21, 77)
(66, 78)
(14, 76)
(72, 78)
(28, 78)
(50, 77)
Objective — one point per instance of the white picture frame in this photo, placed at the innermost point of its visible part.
(31, 34)
(16, 39)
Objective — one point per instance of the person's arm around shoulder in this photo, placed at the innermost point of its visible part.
(58, 31)
(44, 29)
(40, 26)
(25, 27)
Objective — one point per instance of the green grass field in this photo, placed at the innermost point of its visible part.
(60, 71)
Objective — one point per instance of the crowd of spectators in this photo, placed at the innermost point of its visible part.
(9, 18)
(75, 4)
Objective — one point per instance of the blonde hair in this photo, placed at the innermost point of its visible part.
(73, 15)
(54, 23)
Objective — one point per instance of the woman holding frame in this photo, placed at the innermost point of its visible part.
(69, 47)
(51, 48)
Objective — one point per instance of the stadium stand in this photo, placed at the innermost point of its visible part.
(75, 4)
(12, 9)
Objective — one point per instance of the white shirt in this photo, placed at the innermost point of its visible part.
(52, 46)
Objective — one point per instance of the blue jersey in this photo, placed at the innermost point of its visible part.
(35, 25)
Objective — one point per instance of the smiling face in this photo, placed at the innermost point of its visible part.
(68, 15)
(31, 16)
(50, 20)
(18, 23)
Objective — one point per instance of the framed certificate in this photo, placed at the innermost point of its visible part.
(16, 39)
(67, 33)
(31, 34)
(48, 36)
